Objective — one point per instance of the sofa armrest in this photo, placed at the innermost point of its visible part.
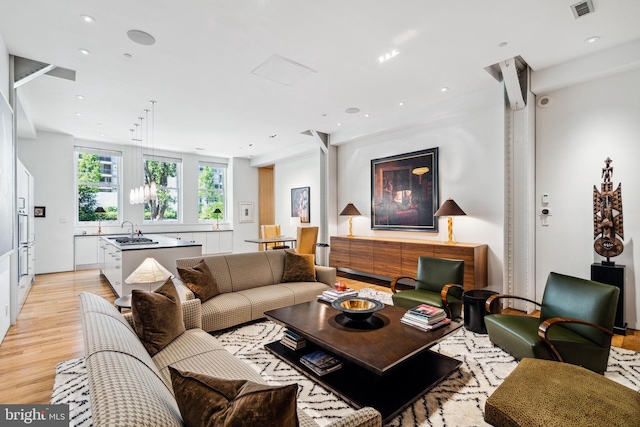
(363, 417)
(326, 275)
(183, 291)
(191, 314)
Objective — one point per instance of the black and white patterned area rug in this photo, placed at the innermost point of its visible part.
(457, 401)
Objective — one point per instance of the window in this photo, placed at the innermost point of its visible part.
(97, 184)
(164, 171)
(212, 180)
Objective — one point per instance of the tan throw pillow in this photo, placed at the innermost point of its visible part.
(206, 401)
(157, 316)
(299, 268)
(200, 280)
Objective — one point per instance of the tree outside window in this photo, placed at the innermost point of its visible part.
(211, 186)
(97, 184)
(165, 175)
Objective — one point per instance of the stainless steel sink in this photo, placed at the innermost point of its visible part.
(133, 241)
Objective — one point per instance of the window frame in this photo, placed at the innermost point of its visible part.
(213, 165)
(178, 188)
(100, 152)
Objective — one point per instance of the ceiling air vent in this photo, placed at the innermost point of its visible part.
(582, 8)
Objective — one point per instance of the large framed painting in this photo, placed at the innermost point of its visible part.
(300, 204)
(404, 191)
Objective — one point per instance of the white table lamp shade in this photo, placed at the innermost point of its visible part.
(150, 271)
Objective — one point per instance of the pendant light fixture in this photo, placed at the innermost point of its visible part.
(153, 193)
(147, 192)
(132, 193)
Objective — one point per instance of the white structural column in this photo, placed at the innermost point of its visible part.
(520, 206)
(323, 232)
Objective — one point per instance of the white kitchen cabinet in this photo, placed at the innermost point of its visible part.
(219, 242)
(86, 251)
(201, 238)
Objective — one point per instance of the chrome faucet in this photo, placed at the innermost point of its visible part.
(132, 230)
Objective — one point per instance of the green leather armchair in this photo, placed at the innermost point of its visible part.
(438, 283)
(575, 324)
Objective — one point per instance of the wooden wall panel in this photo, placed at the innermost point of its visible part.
(266, 204)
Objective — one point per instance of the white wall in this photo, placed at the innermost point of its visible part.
(584, 125)
(468, 131)
(303, 171)
(244, 187)
(5, 264)
(50, 161)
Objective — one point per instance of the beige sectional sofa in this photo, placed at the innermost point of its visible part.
(250, 284)
(128, 387)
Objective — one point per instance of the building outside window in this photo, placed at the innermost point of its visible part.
(165, 172)
(97, 184)
(212, 181)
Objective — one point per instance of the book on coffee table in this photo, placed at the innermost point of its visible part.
(331, 295)
(320, 362)
(423, 325)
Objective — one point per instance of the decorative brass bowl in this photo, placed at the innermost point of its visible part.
(357, 309)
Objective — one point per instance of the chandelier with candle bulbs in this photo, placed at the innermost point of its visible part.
(146, 192)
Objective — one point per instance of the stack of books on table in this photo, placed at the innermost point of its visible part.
(425, 317)
(320, 362)
(333, 294)
(292, 340)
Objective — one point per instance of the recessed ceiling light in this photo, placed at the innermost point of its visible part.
(80, 96)
(273, 136)
(199, 148)
(339, 124)
(503, 44)
(251, 145)
(78, 114)
(84, 51)
(444, 89)
(128, 55)
(102, 134)
(387, 56)
(401, 104)
(367, 115)
(87, 18)
(352, 110)
(141, 37)
(592, 39)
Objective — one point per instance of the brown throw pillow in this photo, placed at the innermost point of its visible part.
(157, 316)
(206, 401)
(298, 268)
(200, 280)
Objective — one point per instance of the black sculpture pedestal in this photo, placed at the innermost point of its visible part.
(612, 274)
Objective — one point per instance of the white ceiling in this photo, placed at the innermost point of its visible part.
(200, 68)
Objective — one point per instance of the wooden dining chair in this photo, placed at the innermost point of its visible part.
(269, 231)
(306, 240)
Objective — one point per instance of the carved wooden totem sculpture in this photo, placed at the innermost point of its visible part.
(607, 216)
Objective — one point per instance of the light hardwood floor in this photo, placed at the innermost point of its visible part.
(49, 331)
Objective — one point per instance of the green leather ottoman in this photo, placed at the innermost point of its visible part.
(548, 393)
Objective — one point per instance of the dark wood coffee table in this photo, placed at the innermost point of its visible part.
(386, 364)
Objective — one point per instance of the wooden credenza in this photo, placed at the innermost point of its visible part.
(399, 257)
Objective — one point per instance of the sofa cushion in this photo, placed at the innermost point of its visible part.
(267, 298)
(157, 316)
(209, 401)
(299, 268)
(200, 280)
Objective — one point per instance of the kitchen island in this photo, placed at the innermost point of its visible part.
(119, 260)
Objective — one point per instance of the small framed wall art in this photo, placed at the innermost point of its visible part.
(246, 211)
(39, 211)
(300, 204)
